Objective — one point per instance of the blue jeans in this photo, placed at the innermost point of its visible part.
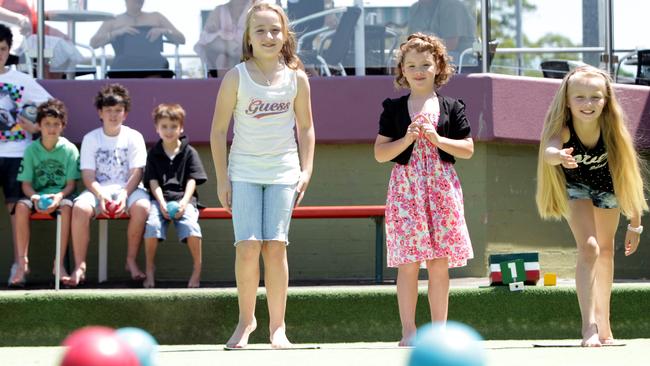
(262, 211)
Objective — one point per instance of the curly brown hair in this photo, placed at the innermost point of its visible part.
(52, 108)
(424, 43)
(112, 95)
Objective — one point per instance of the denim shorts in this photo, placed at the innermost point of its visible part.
(262, 211)
(600, 199)
(186, 226)
(89, 198)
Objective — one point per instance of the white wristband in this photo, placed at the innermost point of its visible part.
(35, 197)
(637, 230)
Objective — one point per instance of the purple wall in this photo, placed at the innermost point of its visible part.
(346, 109)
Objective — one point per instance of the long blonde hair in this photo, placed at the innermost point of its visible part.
(288, 51)
(624, 163)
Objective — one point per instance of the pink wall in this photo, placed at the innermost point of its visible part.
(346, 109)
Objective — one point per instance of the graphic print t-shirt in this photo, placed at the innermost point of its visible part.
(49, 171)
(112, 157)
(16, 90)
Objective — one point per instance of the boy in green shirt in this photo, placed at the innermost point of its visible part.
(48, 173)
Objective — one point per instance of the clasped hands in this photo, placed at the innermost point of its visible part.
(422, 127)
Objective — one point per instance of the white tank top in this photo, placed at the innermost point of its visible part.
(264, 147)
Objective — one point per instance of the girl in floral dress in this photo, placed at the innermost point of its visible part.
(423, 132)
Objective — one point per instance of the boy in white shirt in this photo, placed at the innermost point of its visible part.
(17, 90)
(112, 163)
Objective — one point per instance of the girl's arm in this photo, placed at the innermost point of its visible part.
(306, 135)
(632, 238)
(554, 154)
(462, 149)
(386, 148)
(225, 104)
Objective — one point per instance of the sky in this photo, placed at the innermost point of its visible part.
(628, 14)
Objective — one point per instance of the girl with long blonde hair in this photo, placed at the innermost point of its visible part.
(267, 172)
(589, 172)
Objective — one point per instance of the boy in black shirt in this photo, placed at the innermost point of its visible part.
(172, 173)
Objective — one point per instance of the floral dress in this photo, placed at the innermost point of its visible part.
(425, 218)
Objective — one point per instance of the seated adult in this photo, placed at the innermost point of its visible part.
(136, 37)
(65, 55)
(450, 20)
(219, 44)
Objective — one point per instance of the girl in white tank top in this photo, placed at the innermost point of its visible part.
(268, 96)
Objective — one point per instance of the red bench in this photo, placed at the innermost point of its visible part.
(375, 212)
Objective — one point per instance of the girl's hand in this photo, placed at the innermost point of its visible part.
(224, 191)
(301, 187)
(430, 133)
(566, 159)
(413, 132)
(631, 242)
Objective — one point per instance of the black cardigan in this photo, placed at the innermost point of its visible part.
(395, 119)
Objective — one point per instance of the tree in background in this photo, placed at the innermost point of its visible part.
(503, 23)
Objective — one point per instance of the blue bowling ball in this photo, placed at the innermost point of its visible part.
(172, 208)
(455, 344)
(44, 202)
(142, 343)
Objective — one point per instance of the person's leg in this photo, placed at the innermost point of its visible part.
(438, 291)
(12, 190)
(276, 281)
(278, 205)
(21, 230)
(247, 275)
(407, 299)
(194, 244)
(150, 247)
(606, 224)
(138, 203)
(583, 226)
(82, 211)
(155, 231)
(189, 231)
(247, 224)
(65, 210)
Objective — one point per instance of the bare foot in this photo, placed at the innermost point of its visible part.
(279, 339)
(136, 273)
(407, 337)
(239, 338)
(610, 341)
(18, 278)
(64, 277)
(195, 280)
(150, 281)
(78, 277)
(590, 337)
